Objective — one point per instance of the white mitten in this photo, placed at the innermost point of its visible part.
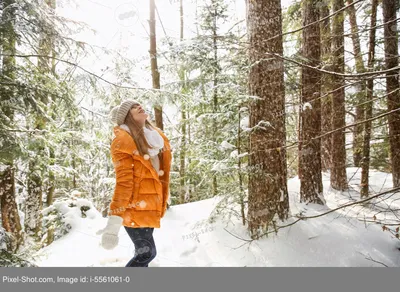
(109, 239)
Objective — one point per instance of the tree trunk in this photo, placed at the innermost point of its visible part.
(51, 186)
(268, 194)
(34, 201)
(9, 210)
(368, 106)
(182, 158)
(361, 87)
(10, 219)
(51, 177)
(241, 188)
(155, 74)
(326, 100)
(182, 154)
(310, 151)
(73, 158)
(338, 167)
(215, 89)
(392, 85)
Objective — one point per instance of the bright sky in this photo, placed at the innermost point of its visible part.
(124, 24)
(113, 18)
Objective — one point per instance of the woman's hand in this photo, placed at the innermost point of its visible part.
(109, 239)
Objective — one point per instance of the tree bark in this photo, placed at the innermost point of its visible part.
(34, 202)
(182, 154)
(338, 167)
(10, 219)
(310, 150)
(326, 101)
(52, 184)
(361, 87)
(155, 74)
(268, 195)
(241, 188)
(368, 106)
(392, 85)
(51, 177)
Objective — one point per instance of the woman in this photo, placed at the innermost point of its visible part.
(141, 154)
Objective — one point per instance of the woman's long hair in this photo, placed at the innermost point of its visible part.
(137, 133)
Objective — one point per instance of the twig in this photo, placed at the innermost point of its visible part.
(93, 74)
(369, 258)
(358, 75)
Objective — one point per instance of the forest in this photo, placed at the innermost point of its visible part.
(285, 112)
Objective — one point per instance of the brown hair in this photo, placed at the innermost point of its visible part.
(137, 134)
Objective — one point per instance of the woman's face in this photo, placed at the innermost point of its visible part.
(139, 114)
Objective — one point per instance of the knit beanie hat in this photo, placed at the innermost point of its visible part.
(118, 113)
(113, 114)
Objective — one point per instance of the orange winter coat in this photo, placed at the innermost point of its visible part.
(141, 194)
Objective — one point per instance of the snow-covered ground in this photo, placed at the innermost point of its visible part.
(341, 238)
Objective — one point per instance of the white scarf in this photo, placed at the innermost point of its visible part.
(153, 138)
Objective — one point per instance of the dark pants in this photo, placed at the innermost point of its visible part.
(145, 248)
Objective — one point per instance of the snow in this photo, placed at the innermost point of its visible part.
(76, 193)
(244, 123)
(243, 154)
(219, 166)
(227, 145)
(234, 154)
(3, 243)
(3, 167)
(186, 238)
(307, 105)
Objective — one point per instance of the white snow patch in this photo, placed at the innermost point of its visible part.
(306, 106)
(187, 239)
(227, 145)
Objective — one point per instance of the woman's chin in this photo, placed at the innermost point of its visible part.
(142, 119)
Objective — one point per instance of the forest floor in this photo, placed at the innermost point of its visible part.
(343, 238)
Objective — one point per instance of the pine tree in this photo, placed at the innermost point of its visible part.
(338, 167)
(361, 87)
(392, 84)
(268, 194)
(309, 146)
(326, 86)
(9, 210)
(365, 163)
(39, 158)
(155, 74)
(182, 152)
